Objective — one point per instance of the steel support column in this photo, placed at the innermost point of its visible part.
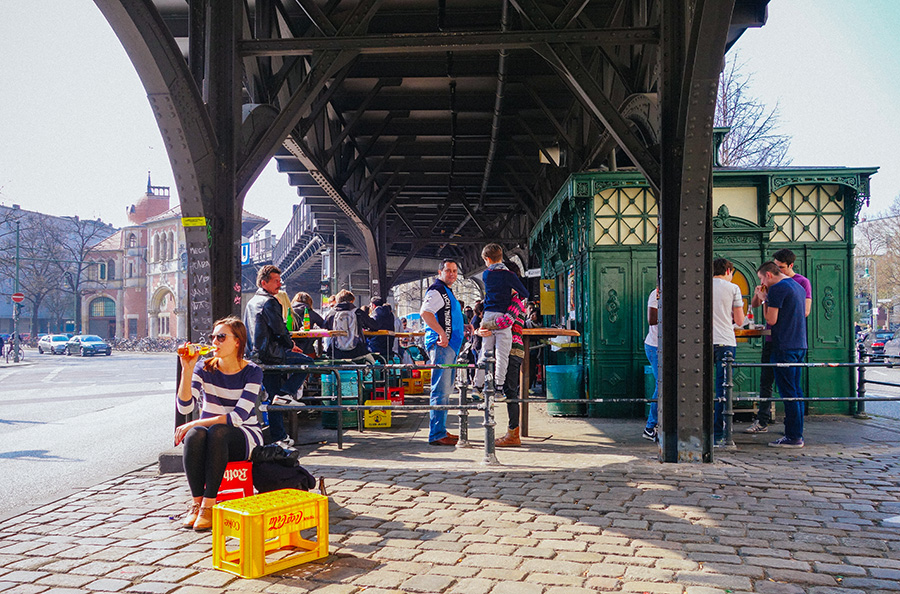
(693, 48)
(188, 133)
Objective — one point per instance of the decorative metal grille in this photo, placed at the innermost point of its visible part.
(812, 212)
(625, 216)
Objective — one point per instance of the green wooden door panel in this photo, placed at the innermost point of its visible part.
(613, 306)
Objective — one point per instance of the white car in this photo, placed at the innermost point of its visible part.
(55, 344)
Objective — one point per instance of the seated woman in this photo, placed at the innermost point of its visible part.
(225, 387)
(302, 304)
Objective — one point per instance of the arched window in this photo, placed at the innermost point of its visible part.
(101, 271)
(111, 270)
(154, 252)
(103, 307)
(132, 240)
(171, 245)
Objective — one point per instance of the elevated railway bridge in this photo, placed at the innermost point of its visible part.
(423, 129)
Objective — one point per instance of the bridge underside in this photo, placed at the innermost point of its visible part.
(424, 129)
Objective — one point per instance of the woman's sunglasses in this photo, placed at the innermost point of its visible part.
(220, 337)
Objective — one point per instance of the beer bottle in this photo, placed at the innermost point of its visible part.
(190, 349)
(307, 324)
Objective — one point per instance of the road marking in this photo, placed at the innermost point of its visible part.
(52, 375)
(5, 375)
(875, 371)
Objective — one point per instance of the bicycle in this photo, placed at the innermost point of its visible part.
(10, 350)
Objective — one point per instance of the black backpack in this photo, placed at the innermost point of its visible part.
(276, 468)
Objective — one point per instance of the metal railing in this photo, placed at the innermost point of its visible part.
(858, 400)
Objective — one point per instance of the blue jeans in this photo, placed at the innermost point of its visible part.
(441, 386)
(788, 381)
(653, 357)
(276, 384)
(719, 352)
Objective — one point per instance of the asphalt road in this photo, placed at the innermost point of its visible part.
(883, 409)
(71, 422)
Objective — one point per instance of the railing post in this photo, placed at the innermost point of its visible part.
(729, 401)
(462, 383)
(490, 455)
(861, 383)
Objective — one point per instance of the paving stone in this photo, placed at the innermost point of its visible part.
(651, 588)
(382, 579)
(427, 583)
(472, 586)
(517, 588)
(107, 585)
(152, 588)
(696, 578)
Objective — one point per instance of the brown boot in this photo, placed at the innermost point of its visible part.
(191, 517)
(510, 440)
(204, 519)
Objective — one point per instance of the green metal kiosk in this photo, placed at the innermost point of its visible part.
(597, 239)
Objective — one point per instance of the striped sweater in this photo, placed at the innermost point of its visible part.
(233, 395)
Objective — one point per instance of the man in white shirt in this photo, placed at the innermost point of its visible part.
(727, 310)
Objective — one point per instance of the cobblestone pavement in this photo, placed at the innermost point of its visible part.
(583, 507)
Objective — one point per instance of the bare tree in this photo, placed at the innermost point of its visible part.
(878, 251)
(754, 140)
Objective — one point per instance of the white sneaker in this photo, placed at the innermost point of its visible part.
(755, 427)
(286, 442)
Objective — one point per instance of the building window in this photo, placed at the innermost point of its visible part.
(164, 325)
(101, 271)
(132, 240)
(104, 307)
(130, 270)
(111, 270)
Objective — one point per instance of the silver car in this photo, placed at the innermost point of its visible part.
(55, 344)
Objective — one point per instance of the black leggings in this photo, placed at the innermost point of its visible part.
(207, 451)
(511, 390)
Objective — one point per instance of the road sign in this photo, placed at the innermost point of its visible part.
(18, 297)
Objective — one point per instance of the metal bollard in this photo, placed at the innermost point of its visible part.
(462, 383)
(728, 413)
(861, 384)
(490, 455)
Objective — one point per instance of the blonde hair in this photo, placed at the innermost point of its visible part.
(285, 302)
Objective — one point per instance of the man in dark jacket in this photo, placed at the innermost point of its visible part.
(269, 343)
(384, 320)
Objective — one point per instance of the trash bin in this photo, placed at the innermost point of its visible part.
(564, 383)
(349, 395)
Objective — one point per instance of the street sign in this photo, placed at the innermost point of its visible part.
(18, 297)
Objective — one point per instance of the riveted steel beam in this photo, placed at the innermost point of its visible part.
(689, 77)
(446, 42)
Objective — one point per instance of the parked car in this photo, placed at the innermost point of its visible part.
(87, 344)
(874, 343)
(55, 344)
(892, 348)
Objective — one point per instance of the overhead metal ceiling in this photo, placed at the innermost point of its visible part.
(426, 128)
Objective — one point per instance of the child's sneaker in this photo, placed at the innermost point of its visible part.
(650, 433)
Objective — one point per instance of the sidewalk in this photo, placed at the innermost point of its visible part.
(583, 507)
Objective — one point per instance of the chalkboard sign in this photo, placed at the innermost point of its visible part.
(199, 281)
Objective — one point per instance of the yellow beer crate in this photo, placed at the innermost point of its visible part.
(259, 535)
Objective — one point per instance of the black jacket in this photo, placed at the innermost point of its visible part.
(267, 335)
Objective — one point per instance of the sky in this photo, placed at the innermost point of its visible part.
(77, 136)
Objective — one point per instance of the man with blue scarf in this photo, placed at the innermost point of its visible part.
(444, 333)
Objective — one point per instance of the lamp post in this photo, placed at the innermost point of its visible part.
(874, 290)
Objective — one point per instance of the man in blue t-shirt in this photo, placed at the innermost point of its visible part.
(785, 311)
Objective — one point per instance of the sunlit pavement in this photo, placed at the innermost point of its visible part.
(583, 506)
